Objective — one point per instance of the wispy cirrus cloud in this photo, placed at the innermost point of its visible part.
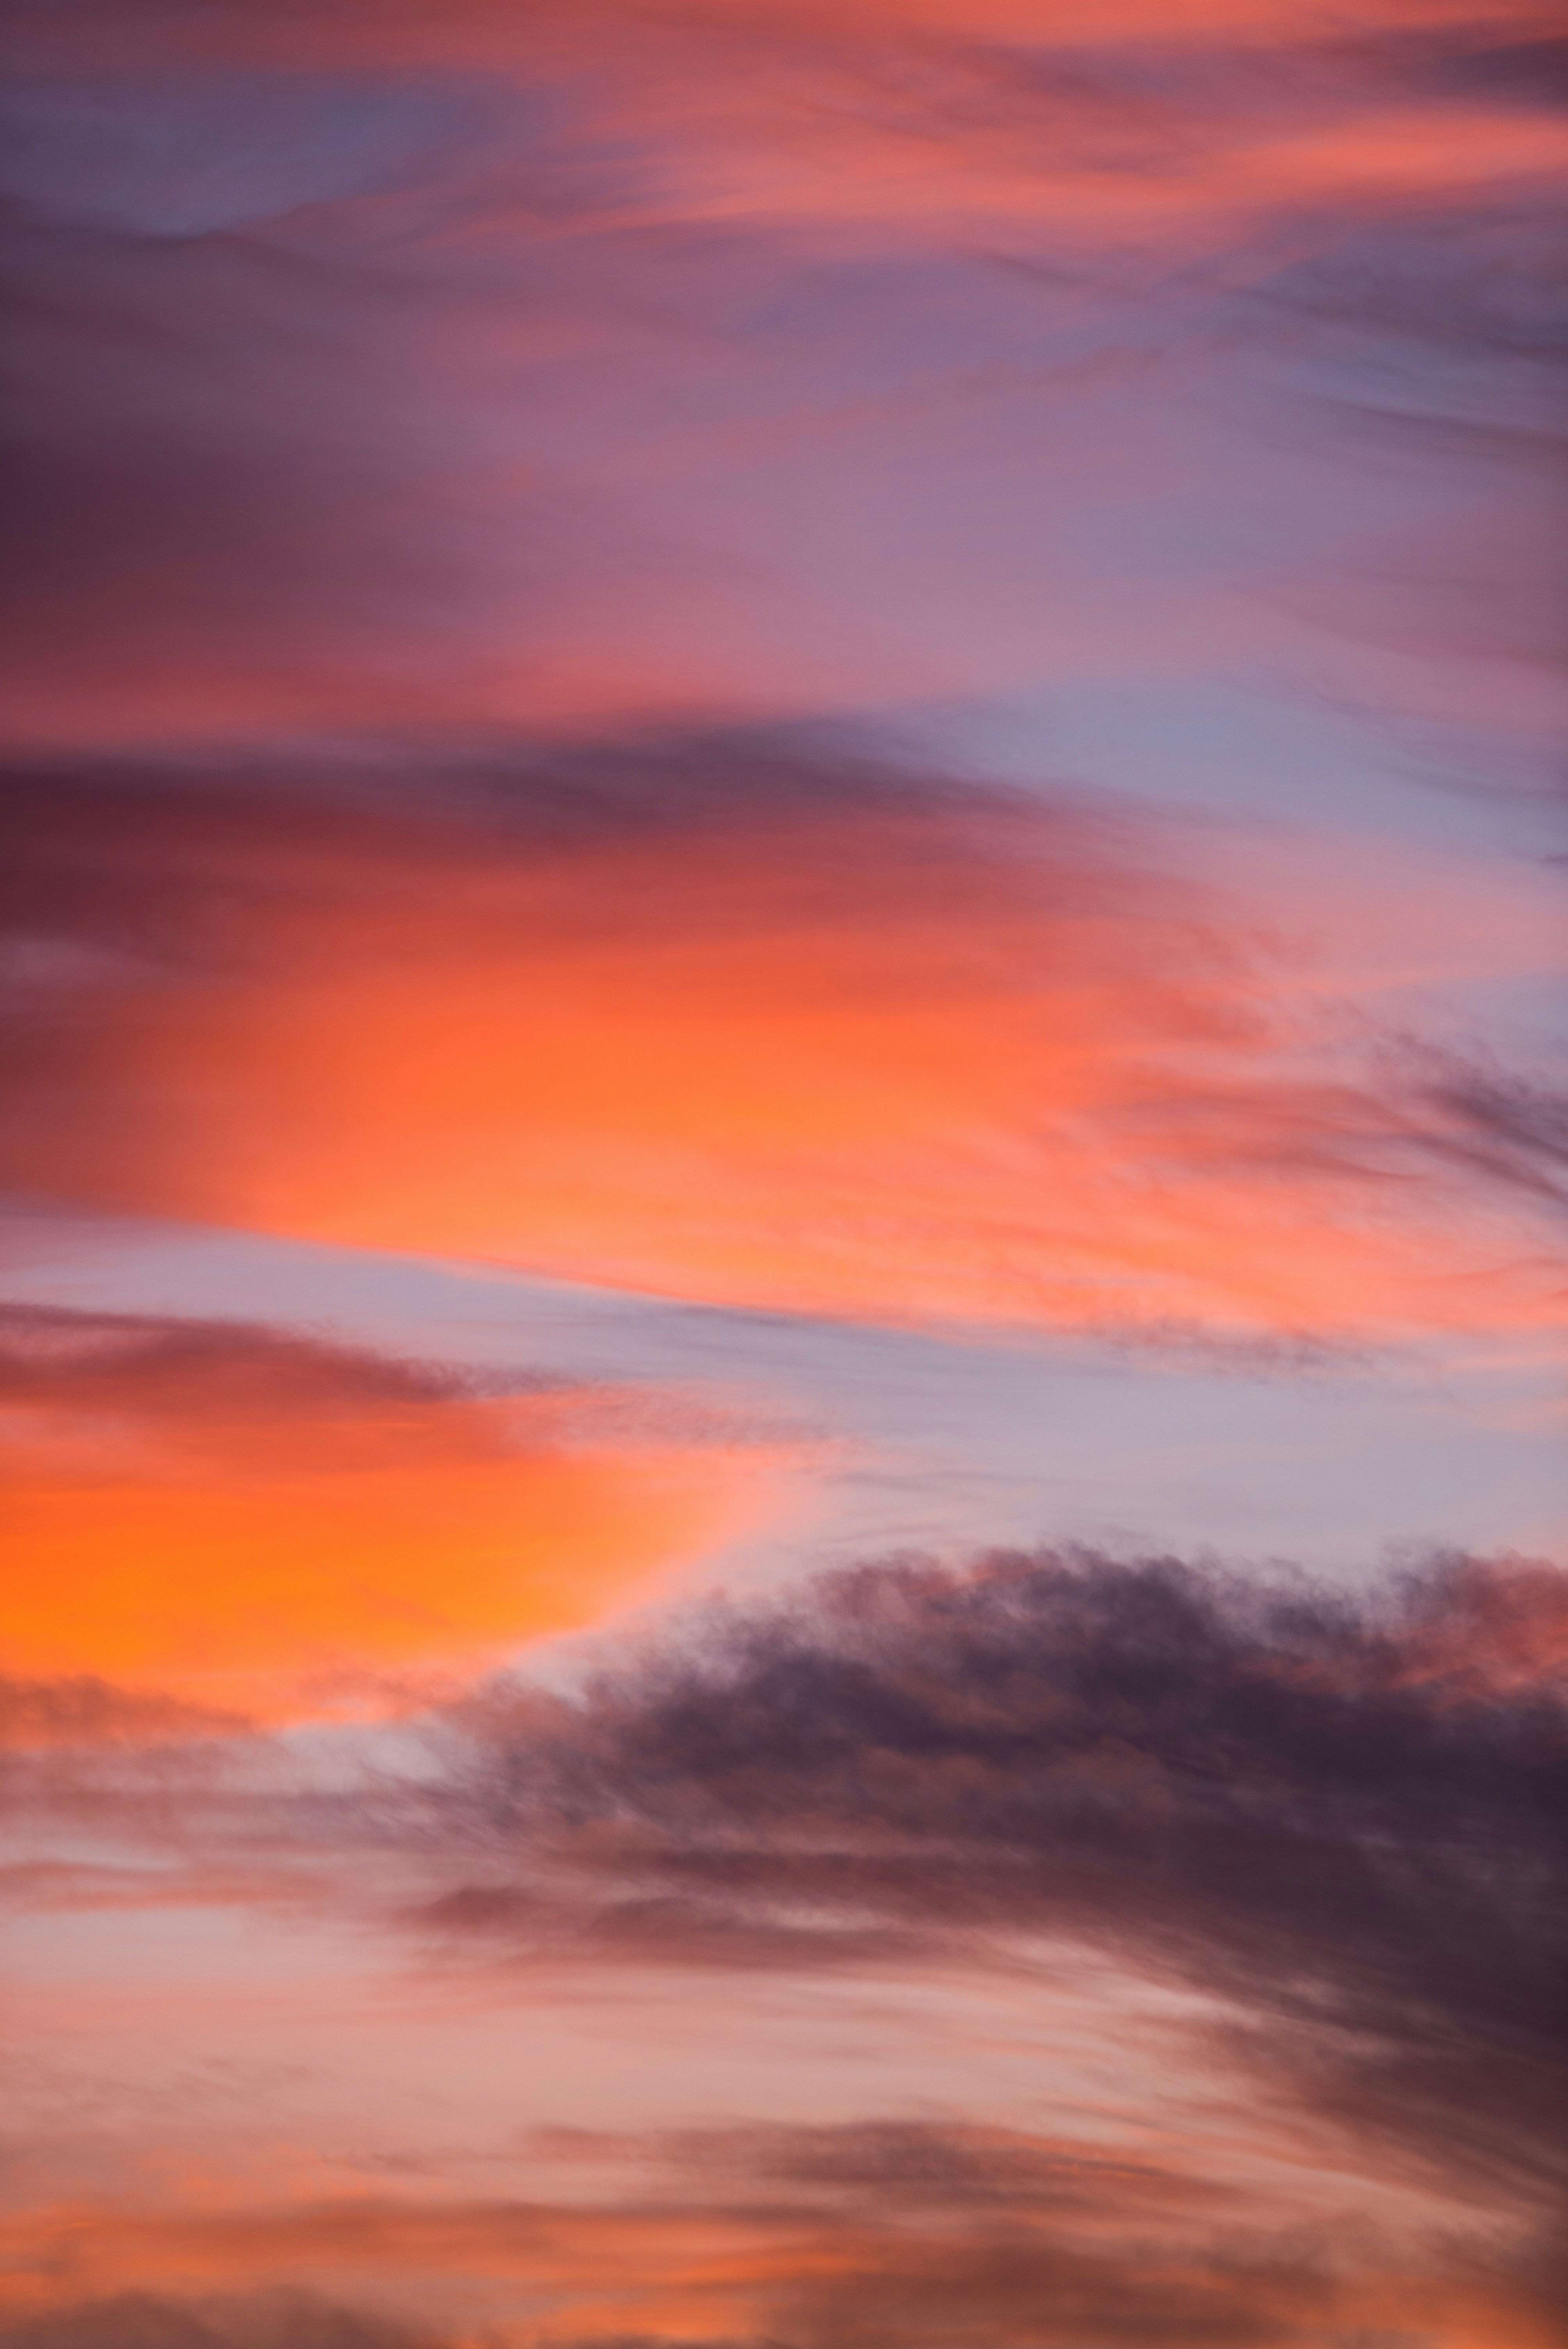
(493, 371)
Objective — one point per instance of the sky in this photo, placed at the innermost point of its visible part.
(782, 1340)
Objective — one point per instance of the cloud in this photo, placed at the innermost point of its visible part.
(867, 2236)
(887, 2169)
(244, 1513)
(1337, 1818)
(216, 1370)
(1527, 71)
(146, 2321)
(1512, 1130)
(464, 440)
(89, 1711)
(402, 373)
(755, 1019)
(1343, 1815)
(485, 451)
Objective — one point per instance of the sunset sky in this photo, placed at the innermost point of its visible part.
(781, 1371)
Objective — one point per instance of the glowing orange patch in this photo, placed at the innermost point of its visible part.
(872, 1064)
(247, 1559)
(852, 1067)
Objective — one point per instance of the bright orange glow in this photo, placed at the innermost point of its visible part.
(871, 1065)
(253, 1559)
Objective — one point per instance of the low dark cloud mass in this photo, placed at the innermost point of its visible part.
(1346, 1814)
(180, 859)
(1343, 1815)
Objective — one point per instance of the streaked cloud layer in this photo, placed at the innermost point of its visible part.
(1337, 1823)
(778, 957)
(765, 1029)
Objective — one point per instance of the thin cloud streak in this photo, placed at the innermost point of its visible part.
(462, 371)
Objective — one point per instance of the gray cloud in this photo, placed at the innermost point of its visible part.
(1510, 1131)
(1526, 72)
(1340, 1815)
(93, 1712)
(1345, 1815)
(154, 1364)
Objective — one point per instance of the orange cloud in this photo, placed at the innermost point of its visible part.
(675, 2266)
(395, 25)
(814, 1044)
(252, 1517)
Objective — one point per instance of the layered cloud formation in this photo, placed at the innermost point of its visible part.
(1338, 1824)
(388, 371)
(718, 707)
(767, 1028)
